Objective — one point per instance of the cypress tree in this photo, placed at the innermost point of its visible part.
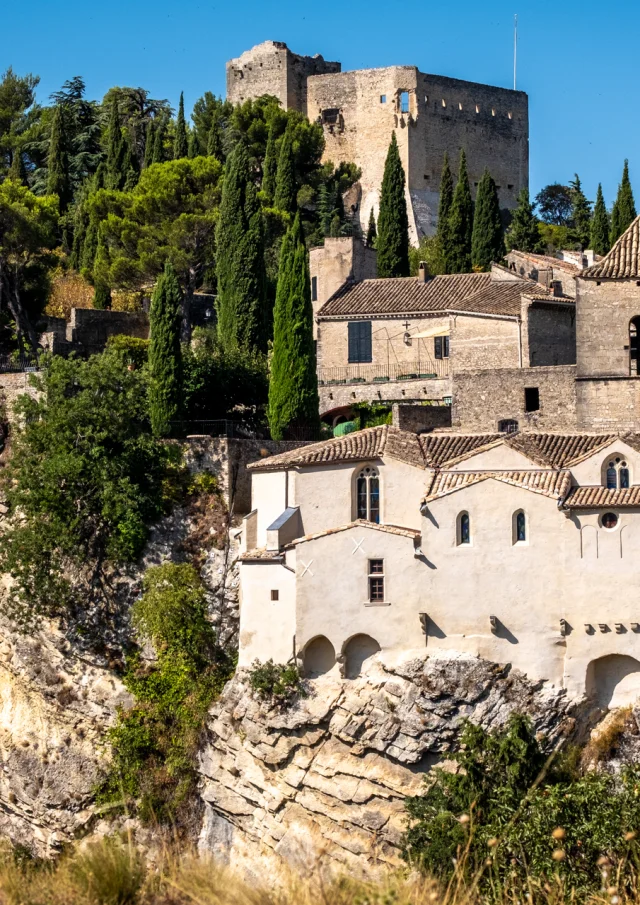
(158, 142)
(270, 167)
(285, 196)
(181, 142)
(393, 222)
(165, 355)
(372, 232)
(444, 205)
(460, 224)
(116, 150)
(325, 210)
(243, 319)
(58, 182)
(193, 145)
(17, 170)
(523, 233)
(487, 241)
(148, 145)
(600, 225)
(580, 213)
(130, 171)
(214, 138)
(624, 207)
(293, 385)
(102, 291)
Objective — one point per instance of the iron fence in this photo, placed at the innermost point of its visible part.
(14, 364)
(423, 369)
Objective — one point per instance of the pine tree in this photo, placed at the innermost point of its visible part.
(580, 213)
(600, 225)
(17, 170)
(444, 205)
(58, 182)
(393, 222)
(158, 142)
(116, 150)
(523, 233)
(285, 196)
(148, 145)
(270, 167)
(293, 385)
(624, 208)
(487, 241)
(243, 319)
(165, 355)
(372, 232)
(460, 224)
(181, 142)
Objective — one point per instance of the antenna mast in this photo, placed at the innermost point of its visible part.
(515, 49)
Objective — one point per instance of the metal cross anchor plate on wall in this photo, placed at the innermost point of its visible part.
(357, 544)
(307, 568)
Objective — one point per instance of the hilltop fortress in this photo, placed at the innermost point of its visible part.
(430, 114)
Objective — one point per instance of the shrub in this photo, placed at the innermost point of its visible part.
(134, 350)
(276, 682)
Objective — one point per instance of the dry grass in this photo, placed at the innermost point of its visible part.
(606, 738)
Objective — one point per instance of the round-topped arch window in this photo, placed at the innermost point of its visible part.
(616, 473)
(368, 494)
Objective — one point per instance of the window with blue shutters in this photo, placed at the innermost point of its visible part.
(359, 341)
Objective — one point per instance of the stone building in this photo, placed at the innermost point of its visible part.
(429, 114)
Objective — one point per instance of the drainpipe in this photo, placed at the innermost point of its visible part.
(286, 488)
(519, 342)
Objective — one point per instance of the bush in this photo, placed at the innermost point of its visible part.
(276, 682)
(134, 351)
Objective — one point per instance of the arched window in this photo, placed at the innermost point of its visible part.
(519, 527)
(616, 473)
(368, 495)
(464, 529)
(634, 346)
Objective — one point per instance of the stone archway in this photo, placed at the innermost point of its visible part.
(357, 651)
(614, 681)
(319, 657)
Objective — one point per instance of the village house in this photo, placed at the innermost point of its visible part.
(519, 546)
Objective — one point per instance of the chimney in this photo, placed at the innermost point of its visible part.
(423, 272)
(556, 288)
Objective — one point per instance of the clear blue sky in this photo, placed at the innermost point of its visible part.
(578, 61)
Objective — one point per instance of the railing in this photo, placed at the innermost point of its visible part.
(14, 364)
(424, 369)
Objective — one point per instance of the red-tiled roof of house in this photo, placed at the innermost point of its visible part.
(623, 261)
(358, 523)
(544, 261)
(440, 450)
(600, 497)
(558, 450)
(554, 484)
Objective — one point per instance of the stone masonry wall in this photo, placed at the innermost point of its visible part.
(481, 399)
(345, 395)
(11, 387)
(549, 335)
(483, 342)
(608, 404)
(337, 261)
(416, 418)
(91, 328)
(603, 312)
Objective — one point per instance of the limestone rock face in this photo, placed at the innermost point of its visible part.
(328, 775)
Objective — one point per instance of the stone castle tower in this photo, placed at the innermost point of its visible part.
(430, 115)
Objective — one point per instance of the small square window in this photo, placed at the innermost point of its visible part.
(376, 581)
(383, 98)
(275, 595)
(531, 399)
(314, 289)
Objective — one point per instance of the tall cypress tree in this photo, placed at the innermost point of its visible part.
(148, 144)
(193, 145)
(58, 182)
(165, 355)
(325, 209)
(600, 225)
(270, 167)
(580, 213)
(393, 222)
(372, 231)
(285, 196)
(214, 138)
(487, 240)
(523, 233)
(444, 205)
(624, 209)
(116, 150)
(102, 291)
(181, 142)
(17, 170)
(243, 319)
(293, 385)
(158, 141)
(458, 253)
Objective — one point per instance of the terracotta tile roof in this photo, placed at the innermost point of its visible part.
(554, 484)
(501, 297)
(547, 261)
(623, 261)
(403, 295)
(365, 444)
(261, 555)
(558, 450)
(599, 497)
(440, 450)
(359, 523)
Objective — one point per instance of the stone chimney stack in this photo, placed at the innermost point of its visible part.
(423, 272)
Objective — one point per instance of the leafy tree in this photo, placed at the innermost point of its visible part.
(181, 141)
(293, 387)
(243, 321)
(58, 182)
(393, 222)
(431, 253)
(28, 227)
(136, 110)
(580, 213)
(372, 232)
(460, 226)
(86, 479)
(17, 170)
(523, 232)
(19, 116)
(239, 378)
(285, 193)
(599, 241)
(624, 209)
(444, 204)
(487, 241)
(210, 118)
(165, 357)
(555, 204)
(270, 167)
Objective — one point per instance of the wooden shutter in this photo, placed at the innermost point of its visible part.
(359, 341)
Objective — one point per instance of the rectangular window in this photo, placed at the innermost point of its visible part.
(330, 116)
(275, 595)
(376, 581)
(314, 289)
(531, 399)
(359, 341)
(441, 347)
(404, 102)
(383, 98)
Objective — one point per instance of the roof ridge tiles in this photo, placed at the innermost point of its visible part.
(623, 261)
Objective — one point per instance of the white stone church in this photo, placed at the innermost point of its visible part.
(521, 548)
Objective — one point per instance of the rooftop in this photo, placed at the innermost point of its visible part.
(623, 261)
(553, 484)
(543, 261)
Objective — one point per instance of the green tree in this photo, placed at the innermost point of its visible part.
(19, 119)
(17, 170)
(487, 241)
(165, 357)
(270, 168)
(214, 141)
(58, 182)
(181, 141)
(393, 222)
(372, 232)
(624, 209)
(243, 320)
(293, 387)
(444, 205)
(460, 225)
(210, 118)
(285, 193)
(580, 213)
(555, 204)
(599, 241)
(523, 232)
(159, 155)
(102, 290)
(149, 143)
(116, 149)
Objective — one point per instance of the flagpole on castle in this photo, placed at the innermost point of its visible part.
(515, 49)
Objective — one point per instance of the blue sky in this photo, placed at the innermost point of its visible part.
(578, 61)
